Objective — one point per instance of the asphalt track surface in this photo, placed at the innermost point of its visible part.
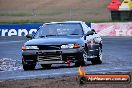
(117, 57)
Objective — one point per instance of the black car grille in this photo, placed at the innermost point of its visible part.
(49, 56)
(49, 47)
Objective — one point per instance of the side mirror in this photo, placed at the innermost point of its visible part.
(88, 33)
(93, 31)
(29, 36)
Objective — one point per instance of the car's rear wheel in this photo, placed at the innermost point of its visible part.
(98, 59)
(46, 65)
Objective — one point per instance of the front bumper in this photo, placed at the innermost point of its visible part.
(52, 56)
(58, 56)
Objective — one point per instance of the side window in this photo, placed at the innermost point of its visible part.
(85, 28)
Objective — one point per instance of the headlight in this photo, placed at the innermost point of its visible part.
(70, 46)
(29, 48)
(32, 47)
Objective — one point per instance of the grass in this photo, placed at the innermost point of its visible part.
(28, 21)
(42, 11)
(48, 16)
(15, 14)
(52, 10)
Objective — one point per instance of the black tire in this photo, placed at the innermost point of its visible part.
(81, 59)
(79, 63)
(28, 67)
(46, 65)
(98, 59)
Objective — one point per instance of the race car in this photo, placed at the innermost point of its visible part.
(62, 43)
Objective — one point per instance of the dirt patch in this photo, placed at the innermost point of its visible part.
(62, 82)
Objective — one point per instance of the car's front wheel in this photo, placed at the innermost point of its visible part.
(98, 59)
(28, 67)
(82, 59)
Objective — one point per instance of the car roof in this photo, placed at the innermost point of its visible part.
(65, 22)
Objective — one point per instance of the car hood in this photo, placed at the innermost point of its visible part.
(56, 40)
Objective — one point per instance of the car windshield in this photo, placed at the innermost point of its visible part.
(59, 29)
